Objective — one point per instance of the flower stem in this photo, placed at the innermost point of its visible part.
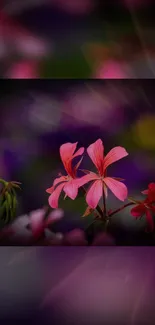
(47, 211)
(120, 209)
(104, 205)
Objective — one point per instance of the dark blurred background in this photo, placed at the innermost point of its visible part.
(38, 116)
(77, 39)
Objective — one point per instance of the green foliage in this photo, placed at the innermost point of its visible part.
(8, 201)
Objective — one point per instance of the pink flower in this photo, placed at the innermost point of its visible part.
(23, 70)
(38, 224)
(111, 70)
(26, 228)
(66, 183)
(100, 180)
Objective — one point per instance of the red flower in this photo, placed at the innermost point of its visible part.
(66, 183)
(100, 181)
(150, 192)
(23, 69)
(111, 70)
(144, 208)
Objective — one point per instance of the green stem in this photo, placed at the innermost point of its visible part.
(3, 182)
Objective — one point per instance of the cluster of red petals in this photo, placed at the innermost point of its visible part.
(100, 182)
(146, 207)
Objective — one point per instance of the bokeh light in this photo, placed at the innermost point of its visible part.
(77, 39)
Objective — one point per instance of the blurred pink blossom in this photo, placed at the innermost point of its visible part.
(108, 101)
(111, 70)
(38, 224)
(27, 228)
(23, 70)
(29, 45)
(21, 40)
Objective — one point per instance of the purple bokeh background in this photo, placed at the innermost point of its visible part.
(72, 285)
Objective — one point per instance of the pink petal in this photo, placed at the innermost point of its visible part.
(71, 189)
(37, 222)
(66, 153)
(149, 220)
(86, 178)
(56, 182)
(50, 190)
(60, 180)
(119, 189)
(138, 211)
(114, 155)
(78, 153)
(67, 150)
(96, 152)
(54, 197)
(94, 194)
(54, 216)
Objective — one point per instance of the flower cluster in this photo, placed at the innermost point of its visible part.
(146, 207)
(100, 183)
(37, 227)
